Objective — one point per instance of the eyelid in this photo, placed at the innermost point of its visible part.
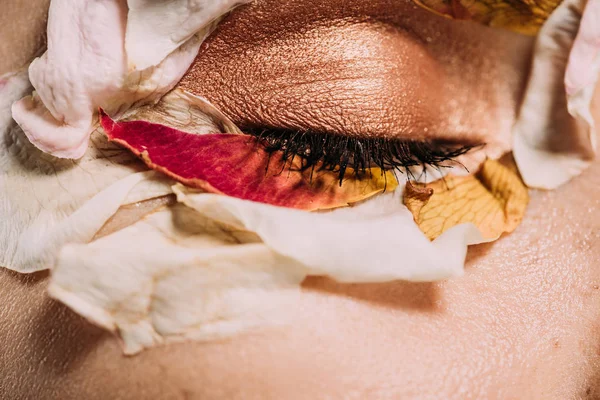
(363, 78)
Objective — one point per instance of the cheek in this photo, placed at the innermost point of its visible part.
(522, 321)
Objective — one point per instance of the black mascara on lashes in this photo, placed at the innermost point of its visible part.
(336, 153)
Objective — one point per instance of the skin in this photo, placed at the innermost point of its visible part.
(27, 35)
(379, 68)
(524, 321)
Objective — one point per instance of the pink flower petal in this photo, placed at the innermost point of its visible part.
(238, 166)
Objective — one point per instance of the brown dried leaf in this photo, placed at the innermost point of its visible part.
(494, 199)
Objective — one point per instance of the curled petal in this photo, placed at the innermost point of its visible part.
(583, 73)
(549, 145)
(85, 67)
(214, 266)
(47, 133)
(47, 202)
(584, 60)
(157, 27)
(239, 166)
(494, 199)
(161, 281)
(82, 66)
(375, 241)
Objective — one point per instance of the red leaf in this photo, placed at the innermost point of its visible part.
(238, 166)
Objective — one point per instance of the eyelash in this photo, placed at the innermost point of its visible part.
(337, 152)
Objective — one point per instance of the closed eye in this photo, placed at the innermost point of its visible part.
(338, 153)
(381, 83)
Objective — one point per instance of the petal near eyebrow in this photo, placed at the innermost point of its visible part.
(554, 139)
(86, 67)
(584, 60)
(156, 28)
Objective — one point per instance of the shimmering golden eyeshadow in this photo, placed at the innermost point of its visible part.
(379, 69)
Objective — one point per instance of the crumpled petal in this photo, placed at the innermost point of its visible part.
(549, 145)
(83, 65)
(375, 241)
(584, 59)
(583, 72)
(216, 266)
(86, 67)
(166, 279)
(47, 202)
(185, 111)
(157, 27)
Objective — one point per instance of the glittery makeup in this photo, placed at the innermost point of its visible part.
(373, 69)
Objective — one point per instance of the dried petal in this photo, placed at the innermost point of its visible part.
(525, 16)
(47, 202)
(83, 65)
(185, 111)
(215, 265)
(550, 146)
(494, 199)
(584, 59)
(167, 279)
(86, 65)
(374, 241)
(238, 166)
(583, 75)
(157, 27)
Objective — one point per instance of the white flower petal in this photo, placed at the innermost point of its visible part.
(157, 27)
(202, 273)
(185, 111)
(49, 134)
(149, 85)
(165, 279)
(47, 202)
(550, 146)
(85, 67)
(376, 241)
(583, 71)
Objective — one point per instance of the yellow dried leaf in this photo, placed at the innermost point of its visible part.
(523, 16)
(494, 199)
